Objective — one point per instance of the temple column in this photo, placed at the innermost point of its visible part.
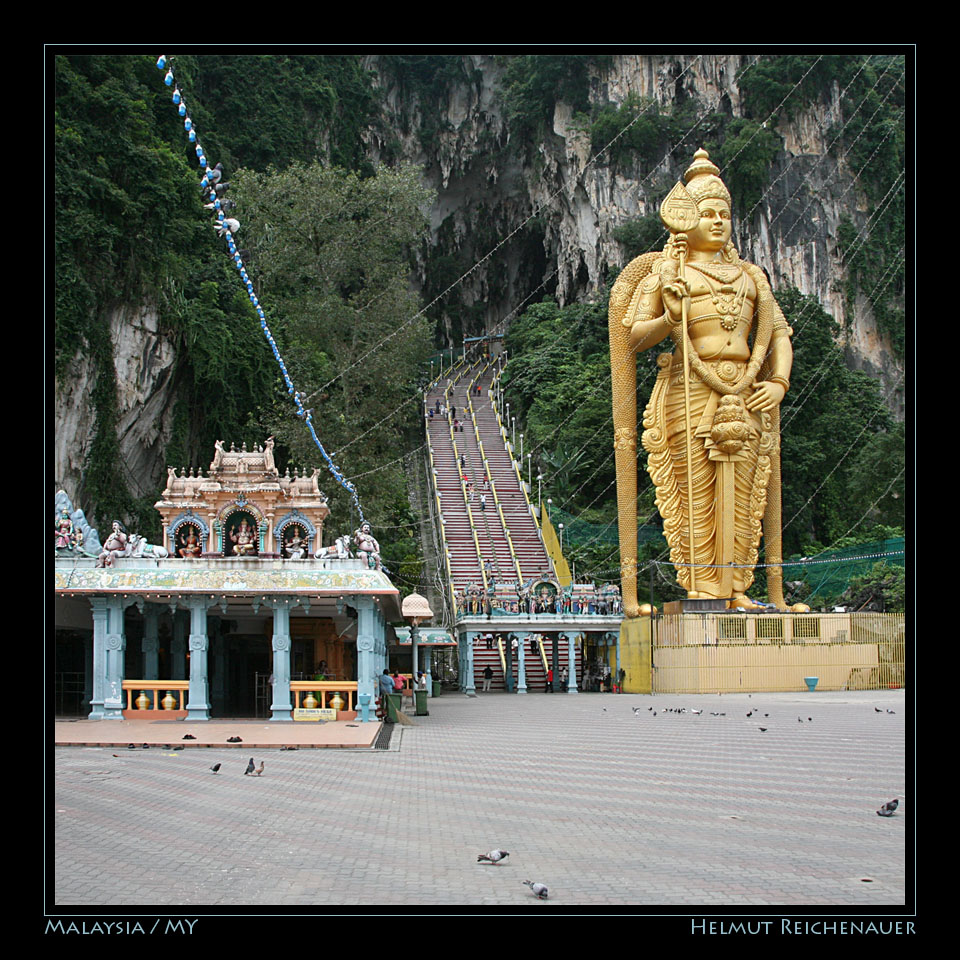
(281, 709)
(99, 606)
(429, 670)
(571, 665)
(521, 665)
(198, 706)
(371, 652)
(115, 648)
(470, 687)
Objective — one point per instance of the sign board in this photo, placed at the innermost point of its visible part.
(318, 713)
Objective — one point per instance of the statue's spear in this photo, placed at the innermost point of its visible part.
(680, 213)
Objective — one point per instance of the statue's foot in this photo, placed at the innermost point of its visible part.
(742, 600)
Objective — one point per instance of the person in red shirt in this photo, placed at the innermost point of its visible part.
(549, 687)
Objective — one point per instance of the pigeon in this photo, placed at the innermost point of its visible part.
(215, 768)
(539, 889)
(697, 713)
(146, 746)
(232, 740)
(809, 719)
(130, 746)
(750, 714)
(799, 719)
(250, 767)
(494, 856)
(259, 770)
(891, 711)
(888, 809)
(763, 729)
(216, 173)
(877, 710)
(636, 712)
(188, 736)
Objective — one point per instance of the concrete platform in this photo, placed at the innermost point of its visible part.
(254, 734)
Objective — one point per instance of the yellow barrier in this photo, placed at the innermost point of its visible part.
(729, 653)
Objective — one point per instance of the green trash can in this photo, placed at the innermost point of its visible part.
(393, 705)
(420, 698)
(436, 688)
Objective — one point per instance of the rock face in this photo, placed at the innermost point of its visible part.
(554, 205)
(146, 369)
(514, 222)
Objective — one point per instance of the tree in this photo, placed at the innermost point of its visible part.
(330, 253)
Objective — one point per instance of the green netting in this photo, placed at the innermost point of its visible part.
(578, 532)
(830, 572)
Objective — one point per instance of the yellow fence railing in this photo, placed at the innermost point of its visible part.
(326, 688)
(164, 694)
(727, 653)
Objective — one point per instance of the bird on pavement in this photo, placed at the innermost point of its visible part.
(494, 856)
(215, 768)
(539, 889)
(888, 809)
(877, 710)
(763, 729)
(259, 769)
(250, 767)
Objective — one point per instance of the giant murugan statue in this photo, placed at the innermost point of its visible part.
(713, 414)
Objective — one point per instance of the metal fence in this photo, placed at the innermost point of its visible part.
(729, 653)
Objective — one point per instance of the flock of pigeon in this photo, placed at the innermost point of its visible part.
(887, 810)
(539, 889)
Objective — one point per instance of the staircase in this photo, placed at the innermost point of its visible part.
(498, 543)
(535, 674)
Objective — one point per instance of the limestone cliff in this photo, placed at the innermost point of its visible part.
(519, 217)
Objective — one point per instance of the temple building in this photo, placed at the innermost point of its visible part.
(241, 611)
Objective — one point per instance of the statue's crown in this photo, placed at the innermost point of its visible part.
(703, 178)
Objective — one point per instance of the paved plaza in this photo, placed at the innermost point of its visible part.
(608, 807)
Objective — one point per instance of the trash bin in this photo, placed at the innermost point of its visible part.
(420, 698)
(436, 688)
(393, 705)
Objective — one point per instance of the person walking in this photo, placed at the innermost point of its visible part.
(549, 686)
(487, 678)
(563, 679)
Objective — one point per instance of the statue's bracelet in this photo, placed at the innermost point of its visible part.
(782, 381)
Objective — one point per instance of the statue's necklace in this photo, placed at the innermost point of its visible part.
(728, 300)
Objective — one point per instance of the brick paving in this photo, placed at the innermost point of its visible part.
(606, 807)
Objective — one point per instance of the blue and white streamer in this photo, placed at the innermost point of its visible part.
(208, 183)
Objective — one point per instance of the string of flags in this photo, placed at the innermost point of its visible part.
(214, 187)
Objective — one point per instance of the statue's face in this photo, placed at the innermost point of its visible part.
(713, 231)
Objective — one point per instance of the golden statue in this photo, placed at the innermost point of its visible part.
(714, 412)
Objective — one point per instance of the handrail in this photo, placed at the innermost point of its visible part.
(496, 499)
(154, 686)
(543, 653)
(324, 687)
(503, 656)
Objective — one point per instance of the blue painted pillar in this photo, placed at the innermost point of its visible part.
(99, 605)
(116, 645)
(371, 651)
(521, 665)
(571, 664)
(470, 687)
(198, 705)
(178, 645)
(428, 669)
(281, 708)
